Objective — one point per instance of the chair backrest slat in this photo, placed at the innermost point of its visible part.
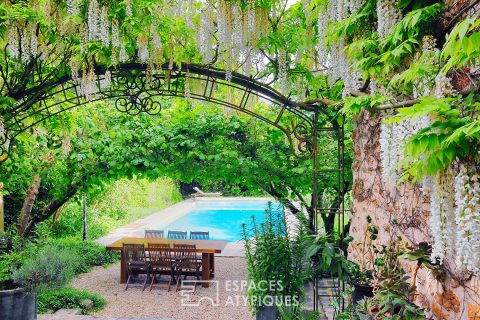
(154, 234)
(160, 252)
(199, 235)
(185, 252)
(134, 252)
(177, 235)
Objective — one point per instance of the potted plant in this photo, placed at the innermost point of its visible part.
(360, 275)
(393, 290)
(49, 268)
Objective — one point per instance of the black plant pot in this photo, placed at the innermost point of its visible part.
(360, 291)
(16, 304)
(267, 313)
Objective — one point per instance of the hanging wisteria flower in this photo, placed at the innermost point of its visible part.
(355, 5)
(251, 25)
(33, 40)
(467, 217)
(142, 45)
(115, 34)
(72, 7)
(428, 50)
(128, 8)
(93, 17)
(205, 34)
(248, 65)
(388, 16)
(25, 44)
(123, 51)
(104, 31)
(322, 29)
(107, 80)
(442, 216)
(13, 43)
(443, 87)
(66, 145)
(75, 72)
(2, 129)
(88, 85)
(283, 71)
(393, 137)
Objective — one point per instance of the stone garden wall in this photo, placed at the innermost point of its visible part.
(403, 211)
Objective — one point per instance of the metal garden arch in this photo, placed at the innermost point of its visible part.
(134, 89)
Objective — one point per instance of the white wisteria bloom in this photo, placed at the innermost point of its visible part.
(123, 51)
(2, 129)
(142, 45)
(74, 70)
(393, 137)
(88, 85)
(107, 80)
(115, 34)
(443, 87)
(442, 216)
(205, 34)
(422, 86)
(128, 9)
(93, 21)
(283, 71)
(355, 5)
(66, 145)
(104, 29)
(388, 16)
(322, 29)
(72, 7)
(467, 217)
(25, 44)
(13, 43)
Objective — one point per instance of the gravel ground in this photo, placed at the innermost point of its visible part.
(160, 303)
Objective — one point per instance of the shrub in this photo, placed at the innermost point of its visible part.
(87, 254)
(67, 298)
(49, 268)
(56, 263)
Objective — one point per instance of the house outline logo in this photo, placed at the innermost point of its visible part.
(188, 289)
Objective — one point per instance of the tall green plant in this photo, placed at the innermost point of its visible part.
(276, 257)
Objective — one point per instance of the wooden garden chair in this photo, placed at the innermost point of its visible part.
(177, 235)
(154, 234)
(161, 262)
(199, 235)
(186, 262)
(136, 262)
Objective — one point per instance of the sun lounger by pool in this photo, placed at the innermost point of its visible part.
(200, 193)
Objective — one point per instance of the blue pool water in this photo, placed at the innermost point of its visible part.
(222, 218)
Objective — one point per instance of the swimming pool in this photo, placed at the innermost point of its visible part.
(222, 218)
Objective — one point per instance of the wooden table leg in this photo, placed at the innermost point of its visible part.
(123, 269)
(212, 265)
(205, 269)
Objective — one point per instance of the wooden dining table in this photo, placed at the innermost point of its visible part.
(207, 248)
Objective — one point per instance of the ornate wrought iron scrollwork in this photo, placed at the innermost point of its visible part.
(133, 105)
(301, 140)
(137, 99)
